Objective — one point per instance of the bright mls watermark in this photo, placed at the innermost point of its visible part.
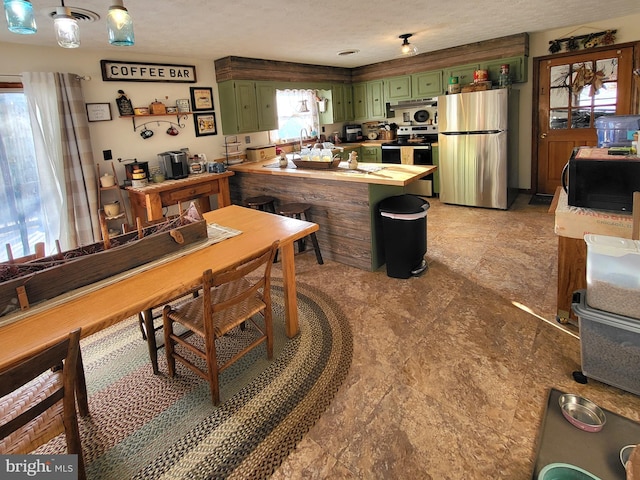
(50, 467)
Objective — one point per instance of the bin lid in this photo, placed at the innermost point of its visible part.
(404, 204)
(611, 246)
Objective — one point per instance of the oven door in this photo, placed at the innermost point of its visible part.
(390, 153)
(421, 155)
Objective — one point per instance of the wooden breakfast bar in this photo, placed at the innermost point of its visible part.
(344, 202)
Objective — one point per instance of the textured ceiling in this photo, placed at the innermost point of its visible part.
(313, 32)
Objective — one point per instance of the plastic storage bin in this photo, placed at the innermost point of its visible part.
(616, 130)
(613, 274)
(404, 226)
(609, 345)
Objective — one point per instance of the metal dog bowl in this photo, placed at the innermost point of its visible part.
(582, 413)
(564, 471)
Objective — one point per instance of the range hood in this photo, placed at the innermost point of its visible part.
(406, 104)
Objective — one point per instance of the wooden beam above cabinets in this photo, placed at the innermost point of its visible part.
(241, 68)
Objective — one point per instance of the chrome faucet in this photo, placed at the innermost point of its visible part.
(301, 137)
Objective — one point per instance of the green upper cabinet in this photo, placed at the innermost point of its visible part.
(238, 106)
(426, 84)
(342, 103)
(360, 101)
(267, 106)
(397, 88)
(339, 104)
(517, 69)
(376, 108)
(247, 106)
(463, 72)
(368, 100)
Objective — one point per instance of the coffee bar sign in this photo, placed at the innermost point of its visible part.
(113, 71)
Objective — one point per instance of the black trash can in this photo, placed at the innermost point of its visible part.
(404, 228)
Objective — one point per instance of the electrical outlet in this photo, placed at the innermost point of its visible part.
(106, 154)
(247, 139)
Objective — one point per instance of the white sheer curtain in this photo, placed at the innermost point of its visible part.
(64, 157)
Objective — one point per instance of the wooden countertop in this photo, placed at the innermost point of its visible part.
(389, 174)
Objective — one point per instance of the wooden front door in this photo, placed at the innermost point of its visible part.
(571, 91)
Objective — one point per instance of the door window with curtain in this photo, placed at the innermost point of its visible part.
(297, 110)
(21, 216)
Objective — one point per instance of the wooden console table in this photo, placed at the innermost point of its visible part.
(147, 202)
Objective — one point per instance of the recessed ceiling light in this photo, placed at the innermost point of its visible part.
(348, 52)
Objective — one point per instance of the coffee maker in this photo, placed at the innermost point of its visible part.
(352, 133)
(174, 163)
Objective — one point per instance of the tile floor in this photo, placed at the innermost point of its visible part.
(449, 379)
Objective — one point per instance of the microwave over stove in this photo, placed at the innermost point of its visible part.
(594, 179)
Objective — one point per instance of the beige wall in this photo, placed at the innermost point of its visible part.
(118, 135)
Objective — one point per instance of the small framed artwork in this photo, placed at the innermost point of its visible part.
(205, 124)
(183, 105)
(201, 98)
(98, 112)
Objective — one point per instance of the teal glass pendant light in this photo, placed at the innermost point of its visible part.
(119, 25)
(20, 17)
(66, 28)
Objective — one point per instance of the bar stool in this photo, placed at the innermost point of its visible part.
(266, 203)
(297, 210)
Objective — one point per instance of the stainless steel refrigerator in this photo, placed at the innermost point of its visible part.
(477, 140)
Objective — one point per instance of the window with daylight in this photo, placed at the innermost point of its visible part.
(21, 216)
(297, 115)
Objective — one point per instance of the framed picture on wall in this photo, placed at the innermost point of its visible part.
(201, 98)
(98, 112)
(205, 124)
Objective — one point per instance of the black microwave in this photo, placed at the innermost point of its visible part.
(601, 184)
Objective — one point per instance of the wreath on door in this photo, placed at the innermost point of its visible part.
(585, 77)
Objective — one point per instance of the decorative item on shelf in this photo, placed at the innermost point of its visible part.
(173, 131)
(112, 209)
(157, 108)
(125, 107)
(172, 109)
(183, 105)
(353, 160)
(107, 180)
(504, 81)
(590, 40)
(141, 111)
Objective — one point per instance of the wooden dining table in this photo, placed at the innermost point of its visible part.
(137, 292)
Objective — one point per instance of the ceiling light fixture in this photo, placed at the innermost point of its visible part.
(407, 48)
(66, 27)
(120, 25)
(20, 17)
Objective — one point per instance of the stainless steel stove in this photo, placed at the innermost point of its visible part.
(413, 147)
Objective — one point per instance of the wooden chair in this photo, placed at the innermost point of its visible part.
(38, 400)
(229, 299)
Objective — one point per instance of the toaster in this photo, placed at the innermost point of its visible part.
(174, 163)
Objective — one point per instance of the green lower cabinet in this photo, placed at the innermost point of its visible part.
(370, 154)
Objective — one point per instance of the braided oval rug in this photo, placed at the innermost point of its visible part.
(146, 426)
